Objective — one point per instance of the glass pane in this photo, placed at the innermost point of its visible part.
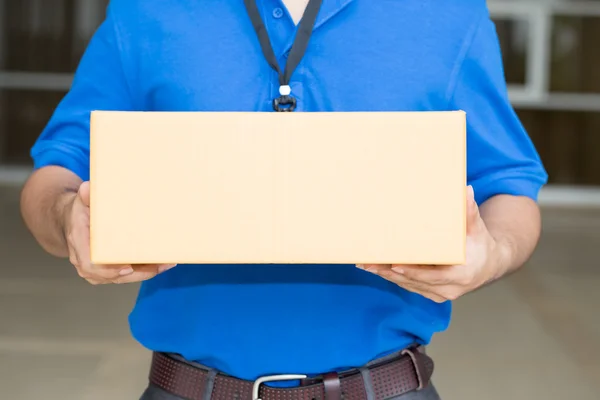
(576, 54)
(568, 143)
(47, 36)
(23, 115)
(513, 35)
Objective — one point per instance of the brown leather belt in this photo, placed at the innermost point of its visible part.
(409, 371)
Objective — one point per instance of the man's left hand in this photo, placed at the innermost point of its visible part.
(485, 263)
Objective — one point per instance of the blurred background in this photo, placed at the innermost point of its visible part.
(535, 335)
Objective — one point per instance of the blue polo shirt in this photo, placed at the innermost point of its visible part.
(365, 55)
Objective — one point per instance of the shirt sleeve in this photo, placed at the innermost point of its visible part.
(501, 158)
(99, 84)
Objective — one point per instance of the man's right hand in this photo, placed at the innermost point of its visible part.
(76, 228)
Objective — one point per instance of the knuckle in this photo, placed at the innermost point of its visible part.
(82, 273)
(106, 273)
(451, 294)
(90, 276)
(466, 278)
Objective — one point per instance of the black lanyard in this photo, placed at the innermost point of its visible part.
(285, 102)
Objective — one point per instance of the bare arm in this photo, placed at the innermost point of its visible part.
(55, 202)
(44, 202)
(515, 224)
(501, 236)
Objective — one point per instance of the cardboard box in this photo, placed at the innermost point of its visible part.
(211, 187)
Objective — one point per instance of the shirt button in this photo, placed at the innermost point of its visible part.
(277, 13)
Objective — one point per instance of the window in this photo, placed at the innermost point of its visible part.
(41, 43)
(550, 51)
(552, 66)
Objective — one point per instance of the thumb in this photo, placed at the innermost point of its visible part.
(472, 211)
(84, 193)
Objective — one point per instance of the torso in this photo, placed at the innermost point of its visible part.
(365, 55)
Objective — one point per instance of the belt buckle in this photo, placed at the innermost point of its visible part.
(272, 378)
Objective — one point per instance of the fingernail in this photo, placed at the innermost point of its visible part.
(360, 266)
(126, 271)
(398, 270)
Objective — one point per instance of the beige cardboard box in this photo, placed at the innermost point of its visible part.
(210, 187)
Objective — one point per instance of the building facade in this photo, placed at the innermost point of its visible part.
(551, 52)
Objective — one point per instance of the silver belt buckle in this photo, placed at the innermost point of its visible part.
(272, 378)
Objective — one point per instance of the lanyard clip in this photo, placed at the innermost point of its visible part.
(285, 102)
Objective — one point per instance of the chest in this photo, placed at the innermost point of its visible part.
(357, 60)
(295, 8)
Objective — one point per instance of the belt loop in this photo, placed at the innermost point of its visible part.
(210, 384)
(368, 383)
(333, 386)
(418, 360)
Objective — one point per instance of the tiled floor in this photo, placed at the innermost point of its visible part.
(535, 335)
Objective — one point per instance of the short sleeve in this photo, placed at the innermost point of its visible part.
(501, 158)
(99, 84)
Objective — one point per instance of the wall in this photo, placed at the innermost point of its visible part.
(551, 52)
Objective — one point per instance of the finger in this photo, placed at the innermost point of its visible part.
(79, 244)
(96, 282)
(73, 257)
(110, 272)
(159, 268)
(432, 275)
(124, 273)
(372, 267)
(139, 275)
(385, 271)
(402, 280)
(473, 217)
(165, 267)
(412, 286)
(140, 272)
(84, 193)
(429, 295)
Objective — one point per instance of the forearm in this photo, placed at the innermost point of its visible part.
(44, 200)
(515, 224)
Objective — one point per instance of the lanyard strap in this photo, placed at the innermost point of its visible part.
(285, 102)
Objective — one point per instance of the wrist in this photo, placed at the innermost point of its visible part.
(63, 207)
(502, 255)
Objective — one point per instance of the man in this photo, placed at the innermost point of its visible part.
(357, 333)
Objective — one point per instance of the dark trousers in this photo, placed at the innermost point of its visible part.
(429, 393)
